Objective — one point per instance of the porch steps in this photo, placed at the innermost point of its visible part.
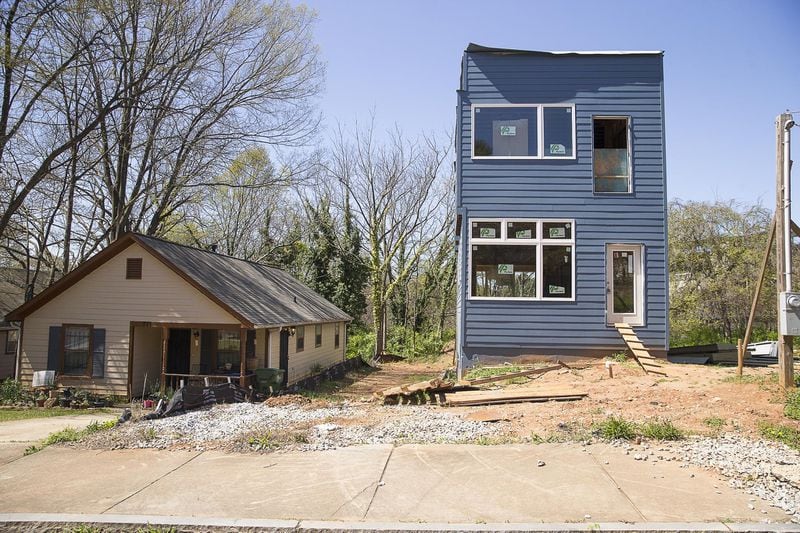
(647, 362)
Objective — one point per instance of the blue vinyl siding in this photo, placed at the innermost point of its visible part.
(598, 85)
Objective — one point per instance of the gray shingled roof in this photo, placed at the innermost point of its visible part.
(266, 296)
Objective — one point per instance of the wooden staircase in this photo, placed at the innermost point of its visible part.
(649, 364)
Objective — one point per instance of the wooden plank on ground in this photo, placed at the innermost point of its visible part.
(512, 396)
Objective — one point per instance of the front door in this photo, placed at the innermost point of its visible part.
(284, 355)
(178, 351)
(624, 284)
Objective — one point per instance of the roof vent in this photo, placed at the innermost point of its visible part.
(295, 299)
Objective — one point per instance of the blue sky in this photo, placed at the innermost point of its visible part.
(730, 68)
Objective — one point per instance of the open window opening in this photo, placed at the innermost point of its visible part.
(612, 169)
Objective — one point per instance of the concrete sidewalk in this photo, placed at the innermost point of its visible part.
(410, 483)
(16, 435)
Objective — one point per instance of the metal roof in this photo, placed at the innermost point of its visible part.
(257, 295)
(265, 296)
(475, 48)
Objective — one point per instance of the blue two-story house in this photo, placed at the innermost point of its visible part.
(561, 203)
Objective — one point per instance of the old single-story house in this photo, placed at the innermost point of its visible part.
(149, 309)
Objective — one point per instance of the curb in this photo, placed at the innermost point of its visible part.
(24, 522)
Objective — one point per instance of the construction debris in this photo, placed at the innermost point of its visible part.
(490, 397)
(409, 389)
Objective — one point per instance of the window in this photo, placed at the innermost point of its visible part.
(523, 131)
(612, 161)
(336, 336)
(528, 259)
(300, 338)
(76, 350)
(228, 349)
(133, 268)
(318, 335)
(11, 341)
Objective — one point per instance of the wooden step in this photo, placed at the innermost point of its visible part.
(639, 351)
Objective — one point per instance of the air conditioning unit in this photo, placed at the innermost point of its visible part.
(789, 317)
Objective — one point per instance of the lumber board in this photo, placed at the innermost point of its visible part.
(519, 400)
(512, 375)
(511, 396)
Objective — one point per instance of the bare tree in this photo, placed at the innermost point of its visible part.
(396, 190)
(120, 115)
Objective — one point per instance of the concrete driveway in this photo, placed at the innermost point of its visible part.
(16, 435)
(466, 484)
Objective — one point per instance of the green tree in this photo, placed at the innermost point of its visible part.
(714, 254)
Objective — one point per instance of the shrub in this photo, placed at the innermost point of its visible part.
(11, 391)
(414, 345)
(360, 343)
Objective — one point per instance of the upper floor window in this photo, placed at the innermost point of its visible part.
(523, 131)
(611, 154)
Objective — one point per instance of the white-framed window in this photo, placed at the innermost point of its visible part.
(522, 259)
(523, 131)
(611, 155)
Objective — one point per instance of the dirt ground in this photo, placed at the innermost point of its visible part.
(701, 399)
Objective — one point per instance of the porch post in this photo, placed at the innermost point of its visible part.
(242, 355)
(164, 345)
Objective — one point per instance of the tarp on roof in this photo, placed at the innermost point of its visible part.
(265, 296)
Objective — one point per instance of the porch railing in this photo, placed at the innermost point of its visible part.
(173, 381)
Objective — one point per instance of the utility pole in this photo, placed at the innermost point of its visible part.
(783, 244)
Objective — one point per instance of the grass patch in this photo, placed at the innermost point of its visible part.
(772, 377)
(660, 430)
(69, 434)
(780, 433)
(715, 422)
(619, 357)
(792, 407)
(481, 372)
(22, 413)
(616, 427)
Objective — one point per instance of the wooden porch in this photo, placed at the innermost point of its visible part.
(215, 365)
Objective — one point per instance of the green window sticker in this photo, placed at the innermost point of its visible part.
(505, 268)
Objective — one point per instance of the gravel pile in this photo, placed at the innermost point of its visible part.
(248, 426)
(768, 470)
(405, 424)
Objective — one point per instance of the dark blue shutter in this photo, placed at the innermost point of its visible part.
(54, 349)
(98, 353)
